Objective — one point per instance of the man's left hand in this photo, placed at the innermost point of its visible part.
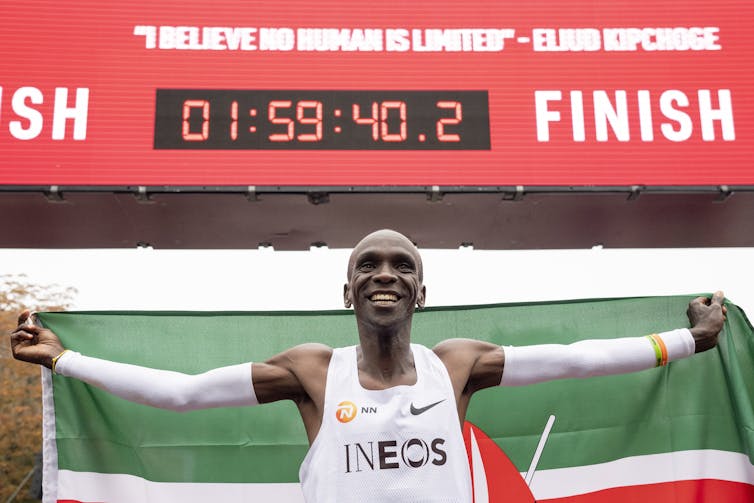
(707, 317)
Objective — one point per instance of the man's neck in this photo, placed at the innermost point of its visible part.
(385, 358)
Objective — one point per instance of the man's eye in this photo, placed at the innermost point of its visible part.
(405, 267)
(366, 266)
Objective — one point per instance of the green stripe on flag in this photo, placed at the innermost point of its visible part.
(704, 402)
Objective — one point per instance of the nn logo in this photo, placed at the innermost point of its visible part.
(345, 412)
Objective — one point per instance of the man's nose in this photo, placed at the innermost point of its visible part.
(384, 274)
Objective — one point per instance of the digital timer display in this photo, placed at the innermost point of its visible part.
(321, 120)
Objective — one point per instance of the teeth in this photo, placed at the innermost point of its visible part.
(384, 296)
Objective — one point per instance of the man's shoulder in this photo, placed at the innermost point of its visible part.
(304, 357)
(461, 352)
(451, 345)
(313, 350)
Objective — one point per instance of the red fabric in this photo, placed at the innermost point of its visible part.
(702, 491)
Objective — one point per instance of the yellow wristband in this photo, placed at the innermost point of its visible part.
(55, 360)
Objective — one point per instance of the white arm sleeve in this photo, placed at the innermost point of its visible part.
(223, 387)
(545, 362)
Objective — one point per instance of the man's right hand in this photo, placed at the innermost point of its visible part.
(34, 344)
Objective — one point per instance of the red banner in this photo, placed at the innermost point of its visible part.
(233, 92)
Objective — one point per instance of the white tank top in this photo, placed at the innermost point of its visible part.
(402, 444)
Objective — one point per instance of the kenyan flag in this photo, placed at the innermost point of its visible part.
(683, 433)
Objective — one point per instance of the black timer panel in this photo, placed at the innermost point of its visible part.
(321, 120)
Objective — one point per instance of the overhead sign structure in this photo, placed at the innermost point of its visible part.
(335, 93)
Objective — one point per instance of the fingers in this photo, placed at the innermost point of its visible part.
(718, 298)
(25, 332)
(30, 329)
(20, 336)
(700, 300)
(26, 335)
(23, 316)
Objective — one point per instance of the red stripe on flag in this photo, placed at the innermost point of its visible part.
(687, 491)
(73, 501)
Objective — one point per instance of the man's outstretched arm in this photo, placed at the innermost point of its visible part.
(228, 386)
(476, 365)
(221, 387)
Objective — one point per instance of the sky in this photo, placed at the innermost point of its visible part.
(264, 279)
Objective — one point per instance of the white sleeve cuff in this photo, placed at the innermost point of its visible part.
(680, 343)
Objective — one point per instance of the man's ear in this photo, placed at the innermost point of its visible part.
(346, 296)
(421, 297)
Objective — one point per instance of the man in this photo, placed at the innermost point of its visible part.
(416, 451)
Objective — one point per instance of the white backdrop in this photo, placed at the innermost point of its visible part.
(270, 280)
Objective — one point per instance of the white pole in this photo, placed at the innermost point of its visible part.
(538, 451)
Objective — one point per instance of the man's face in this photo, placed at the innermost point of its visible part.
(384, 279)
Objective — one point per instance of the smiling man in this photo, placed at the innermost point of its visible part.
(404, 442)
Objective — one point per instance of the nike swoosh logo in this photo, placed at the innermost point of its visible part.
(422, 410)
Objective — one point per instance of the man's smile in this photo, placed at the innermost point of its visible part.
(384, 298)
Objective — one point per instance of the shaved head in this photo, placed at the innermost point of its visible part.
(385, 237)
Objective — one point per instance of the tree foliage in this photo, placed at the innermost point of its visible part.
(20, 385)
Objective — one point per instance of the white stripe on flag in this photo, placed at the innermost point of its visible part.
(639, 470)
(49, 447)
(92, 487)
(557, 483)
(481, 493)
